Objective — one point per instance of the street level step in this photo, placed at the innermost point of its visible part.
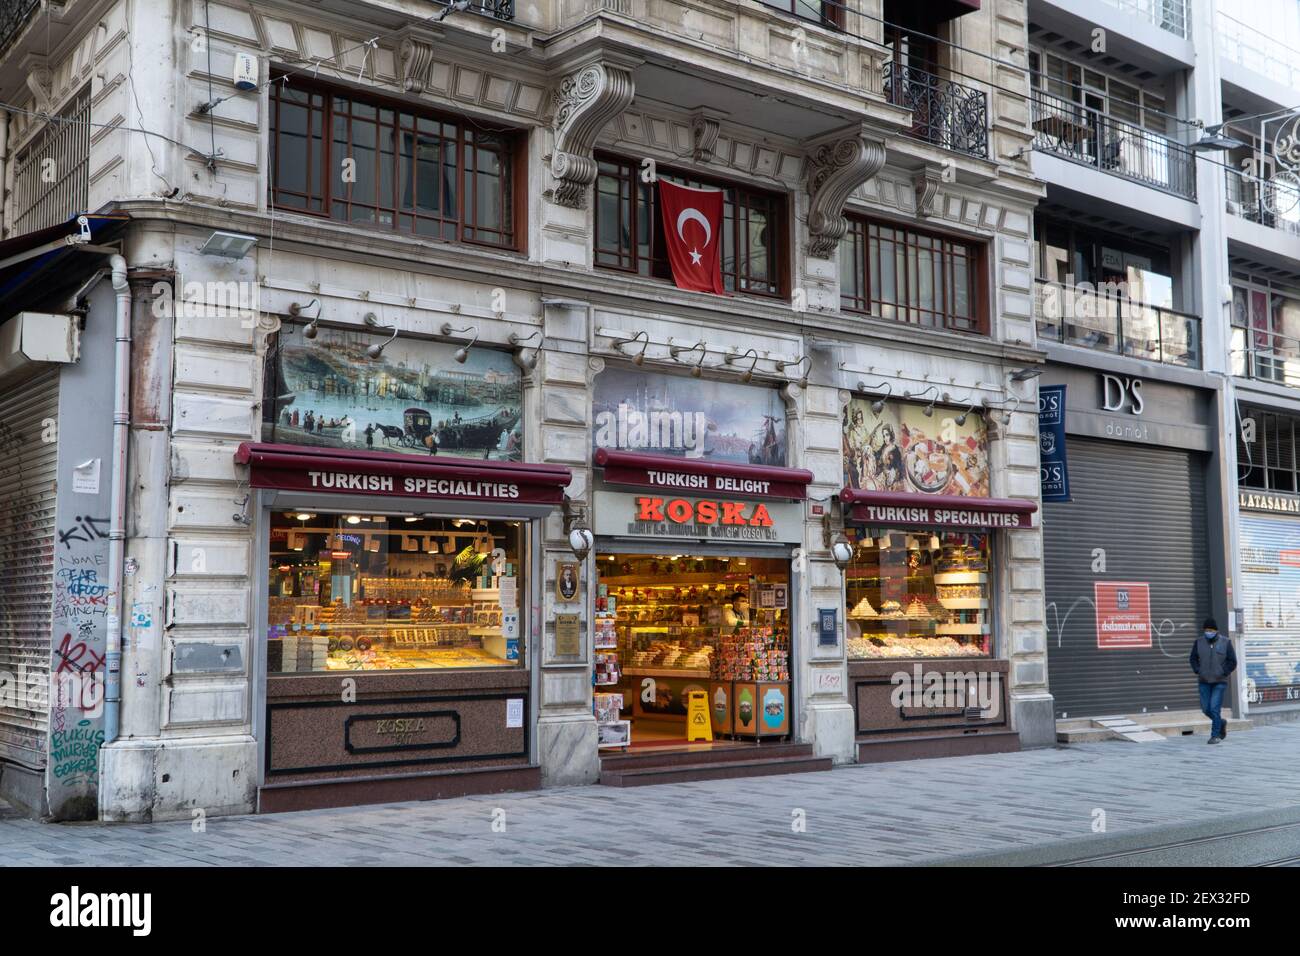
(641, 758)
(884, 749)
(1142, 728)
(713, 770)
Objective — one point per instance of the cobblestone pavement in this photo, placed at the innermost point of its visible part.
(923, 811)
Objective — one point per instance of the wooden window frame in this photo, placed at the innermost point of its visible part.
(859, 237)
(321, 168)
(832, 12)
(630, 258)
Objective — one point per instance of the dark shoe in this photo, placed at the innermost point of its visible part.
(1224, 732)
(1215, 740)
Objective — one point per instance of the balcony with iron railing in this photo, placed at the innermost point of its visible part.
(1266, 356)
(1084, 135)
(945, 113)
(1168, 15)
(1248, 47)
(1100, 319)
(1273, 201)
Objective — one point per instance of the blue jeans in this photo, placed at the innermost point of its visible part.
(1211, 703)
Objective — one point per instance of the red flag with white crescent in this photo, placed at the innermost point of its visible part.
(693, 233)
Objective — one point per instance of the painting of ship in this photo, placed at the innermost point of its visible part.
(414, 398)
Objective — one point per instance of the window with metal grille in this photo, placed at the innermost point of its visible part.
(371, 163)
(51, 174)
(630, 234)
(911, 276)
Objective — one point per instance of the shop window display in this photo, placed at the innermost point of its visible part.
(365, 592)
(918, 594)
(681, 623)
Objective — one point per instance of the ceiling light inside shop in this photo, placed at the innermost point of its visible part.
(304, 515)
(410, 518)
(354, 519)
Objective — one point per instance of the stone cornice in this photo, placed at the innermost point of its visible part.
(619, 291)
(837, 165)
(583, 102)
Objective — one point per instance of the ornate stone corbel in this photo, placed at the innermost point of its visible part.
(837, 165)
(415, 56)
(925, 182)
(704, 133)
(39, 79)
(585, 100)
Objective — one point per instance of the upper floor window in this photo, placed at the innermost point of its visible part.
(62, 149)
(911, 276)
(1077, 84)
(829, 13)
(630, 234)
(363, 161)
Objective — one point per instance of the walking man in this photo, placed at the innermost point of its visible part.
(1213, 659)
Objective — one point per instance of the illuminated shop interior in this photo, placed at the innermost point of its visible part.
(362, 592)
(918, 594)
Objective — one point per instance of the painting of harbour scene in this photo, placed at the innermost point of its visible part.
(414, 398)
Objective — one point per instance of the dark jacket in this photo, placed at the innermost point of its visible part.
(1213, 660)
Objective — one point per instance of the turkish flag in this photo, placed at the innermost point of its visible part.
(693, 233)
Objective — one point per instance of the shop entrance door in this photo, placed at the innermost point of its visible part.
(673, 623)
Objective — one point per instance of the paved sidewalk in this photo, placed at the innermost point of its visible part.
(915, 812)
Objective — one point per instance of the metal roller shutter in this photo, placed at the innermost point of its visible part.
(1270, 600)
(28, 468)
(1146, 507)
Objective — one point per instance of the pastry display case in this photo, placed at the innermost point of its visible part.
(918, 595)
(375, 595)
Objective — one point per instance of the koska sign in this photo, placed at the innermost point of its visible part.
(655, 515)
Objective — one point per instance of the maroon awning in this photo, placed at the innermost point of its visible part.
(344, 471)
(945, 511)
(689, 475)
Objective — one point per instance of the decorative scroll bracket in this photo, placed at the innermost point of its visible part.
(925, 182)
(837, 165)
(585, 100)
(415, 56)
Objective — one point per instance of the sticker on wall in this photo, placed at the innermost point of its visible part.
(514, 712)
(1123, 614)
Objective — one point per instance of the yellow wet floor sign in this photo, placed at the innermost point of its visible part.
(698, 724)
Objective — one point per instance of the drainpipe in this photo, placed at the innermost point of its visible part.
(117, 526)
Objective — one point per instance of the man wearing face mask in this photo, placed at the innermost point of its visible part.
(1213, 659)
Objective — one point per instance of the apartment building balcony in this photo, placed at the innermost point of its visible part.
(1083, 135)
(1167, 15)
(1263, 220)
(758, 65)
(1265, 356)
(1258, 70)
(15, 16)
(1097, 319)
(945, 113)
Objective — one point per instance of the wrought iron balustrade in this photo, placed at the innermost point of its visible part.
(1088, 136)
(944, 113)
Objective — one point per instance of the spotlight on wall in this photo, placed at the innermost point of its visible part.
(747, 374)
(461, 353)
(377, 349)
(878, 405)
(928, 411)
(526, 359)
(677, 351)
(227, 245)
(1025, 374)
(643, 337)
(961, 419)
(803, 379)
(308, 330)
